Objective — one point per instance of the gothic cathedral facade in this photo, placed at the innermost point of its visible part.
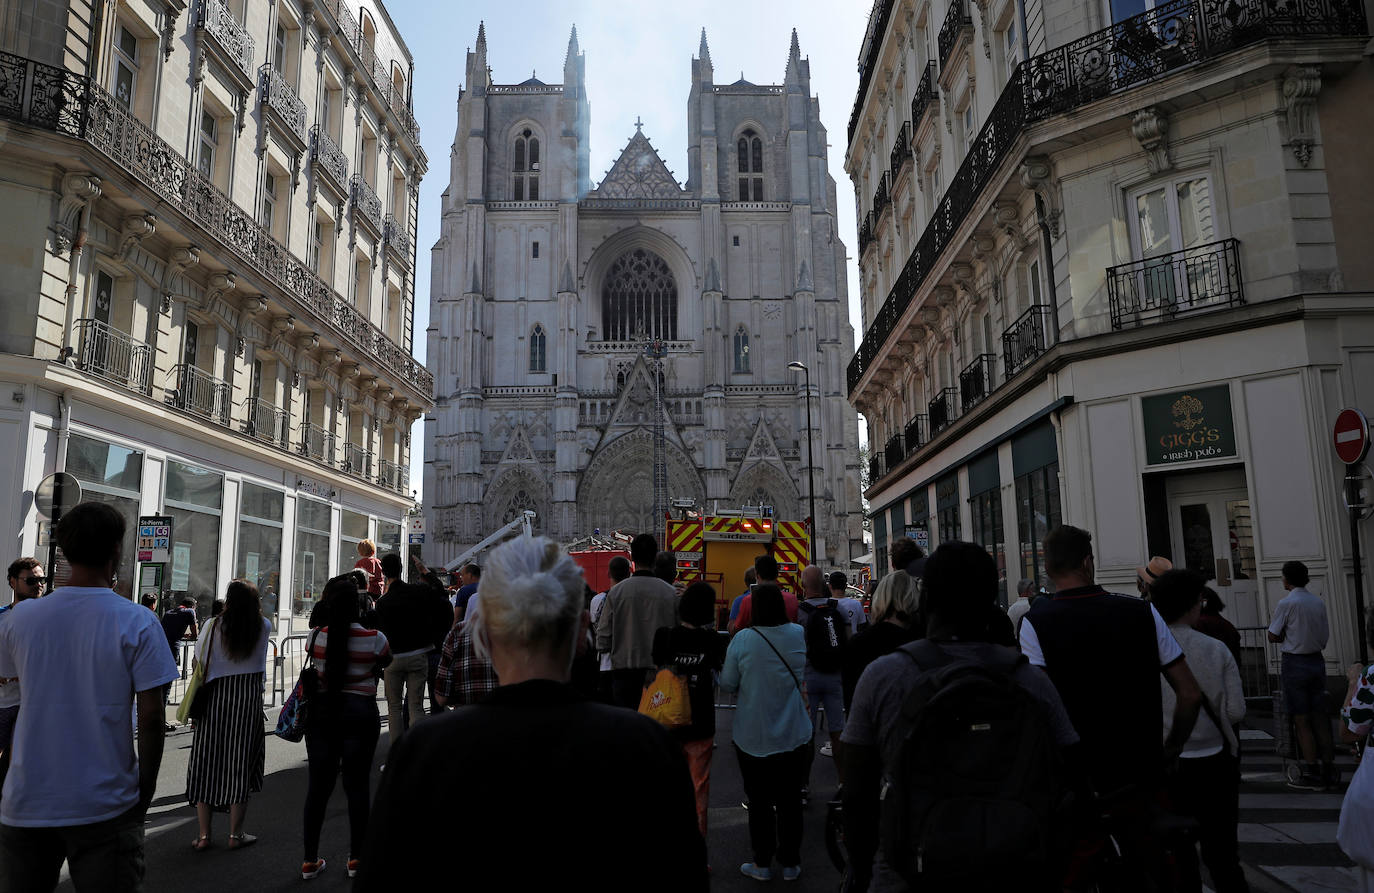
(546, 289)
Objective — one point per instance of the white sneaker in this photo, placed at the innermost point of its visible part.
(827, 750)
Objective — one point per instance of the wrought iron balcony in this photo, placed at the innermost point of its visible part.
(393, 476)
(882, 197)
(865, 233)
(229, 34)
(924, 98)
(943, 410)
(1167, 285)
(366, 205)
(975, 382)
(105, 352)
(917, 433)
(1168, 38)
(266, 422)
(868, 56)
(397, 238)
(48, 98)
(326, 156)
(316, 443)
(280, 98)
(1026, 338)
(875, 469)
(374, 67)
(957, 23)
(357, 461)
(893, 452)
(901, 150)
(199, 393)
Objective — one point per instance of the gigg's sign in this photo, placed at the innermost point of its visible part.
(1187, 426)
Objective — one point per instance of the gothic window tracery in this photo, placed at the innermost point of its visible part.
(749, 151)
(538, 356)
(639, 298)
(525, 167)
(741, 350)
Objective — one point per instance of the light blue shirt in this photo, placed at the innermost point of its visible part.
(1300, 617)
(80, 654)
(770, 716)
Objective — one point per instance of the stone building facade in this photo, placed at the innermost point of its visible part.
(545, 290)
(1115, 272)
(208, 284)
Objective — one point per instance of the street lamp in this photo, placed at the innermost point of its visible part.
(810, 456)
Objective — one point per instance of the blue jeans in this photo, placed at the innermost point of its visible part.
(1304, 682)
(825, 690)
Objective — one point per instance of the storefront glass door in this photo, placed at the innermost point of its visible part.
(1211, 532)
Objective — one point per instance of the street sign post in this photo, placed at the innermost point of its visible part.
(1350, 436)
(54, 495)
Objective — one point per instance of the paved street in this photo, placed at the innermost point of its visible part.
(1287, 837)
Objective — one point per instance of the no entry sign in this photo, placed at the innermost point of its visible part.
(1351, 436)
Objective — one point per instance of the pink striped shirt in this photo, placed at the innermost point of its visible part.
(366, 647)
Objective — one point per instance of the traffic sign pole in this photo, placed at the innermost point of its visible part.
(1350, 437)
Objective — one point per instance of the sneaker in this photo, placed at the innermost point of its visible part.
(311, 870)
(1308, 782)
(353, 865)
(827, 750)
(749, 869)
(791, 872)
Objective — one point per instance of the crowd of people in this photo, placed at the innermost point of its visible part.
(1079, 739)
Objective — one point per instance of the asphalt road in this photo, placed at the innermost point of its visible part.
(273, 863)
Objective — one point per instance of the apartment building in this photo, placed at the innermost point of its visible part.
(207, 287)
(1115, 272)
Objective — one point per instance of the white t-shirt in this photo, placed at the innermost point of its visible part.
(221, 664)
(81, 653)
(9, 691)
(1169, 650)
(853, 611)
(597, 606)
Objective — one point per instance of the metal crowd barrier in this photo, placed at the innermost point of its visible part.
(1259, 663)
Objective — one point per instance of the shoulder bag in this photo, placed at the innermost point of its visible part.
(294, 716)
(197, 695)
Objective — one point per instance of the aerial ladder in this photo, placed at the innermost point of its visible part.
(520, 524)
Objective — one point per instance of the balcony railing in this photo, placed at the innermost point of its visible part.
(882, 197)
(280, 97)
(875, 469)
(957, 20)
(916, 434)
(893, 452)
(397, 238)
(326, 156)
(975, 382)
(925, 97)
(106, 352)
(230, 34)
(901, 150)
(1026, 338)
(266, 422)
(365, 202)
(943, 410)
(393, 476)
(199, 393)
(865, 233)
(1169, 37)
(868, 56)
(375, 67)
(357, 461)
(1164, 286)
(316, 443)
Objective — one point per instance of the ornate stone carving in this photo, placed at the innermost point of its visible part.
(639, 173)
(1037, 175)
(180, 259)
(1301, 84)
(1151, 129)
(78, 188)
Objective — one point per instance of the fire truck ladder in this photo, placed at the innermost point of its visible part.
(655, 350)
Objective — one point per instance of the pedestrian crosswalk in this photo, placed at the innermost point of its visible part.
(1289, 834)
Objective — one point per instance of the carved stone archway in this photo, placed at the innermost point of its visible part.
(767, 483)
(617, 489)
(515, 490)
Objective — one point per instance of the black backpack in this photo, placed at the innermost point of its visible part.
(972, 777)
(827, 632)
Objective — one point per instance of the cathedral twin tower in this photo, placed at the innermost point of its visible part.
(545, 289)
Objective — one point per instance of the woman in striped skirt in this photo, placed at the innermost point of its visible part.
(226, 762)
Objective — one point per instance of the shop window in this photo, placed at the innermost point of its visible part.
(111, 474)
(947, 509)
(312, 554)
(388, 537)
(1037, 513)
(353, 529)
(259, 544)
(193, 503)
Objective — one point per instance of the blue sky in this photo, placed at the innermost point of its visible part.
(638, 64)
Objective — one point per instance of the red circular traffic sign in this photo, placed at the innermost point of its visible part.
(1351, 436)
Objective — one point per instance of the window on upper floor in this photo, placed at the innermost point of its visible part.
(279, 49)
(525, 167)
(212, 160)
(126, 67)
(741, 350)
(968, 129)
(367, 162)
(749, 161)
(1172, 216)
(273, 220)
(1009, 42)
(330, 102)
(392, 313)
(362, 287)
(639, 298)
(538, 355)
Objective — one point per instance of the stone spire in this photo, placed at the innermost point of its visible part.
(794, 60)
(704, 51)
(573, 48)
(565, 282)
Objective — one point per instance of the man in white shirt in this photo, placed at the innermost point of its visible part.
(76, 790)
(1301, 628)
(850, 607)
(1025, 591)
(26, 581)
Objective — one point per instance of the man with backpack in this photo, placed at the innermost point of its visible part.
(827, 632)
(955, 752)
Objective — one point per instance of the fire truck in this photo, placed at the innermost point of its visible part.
(719, 547)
